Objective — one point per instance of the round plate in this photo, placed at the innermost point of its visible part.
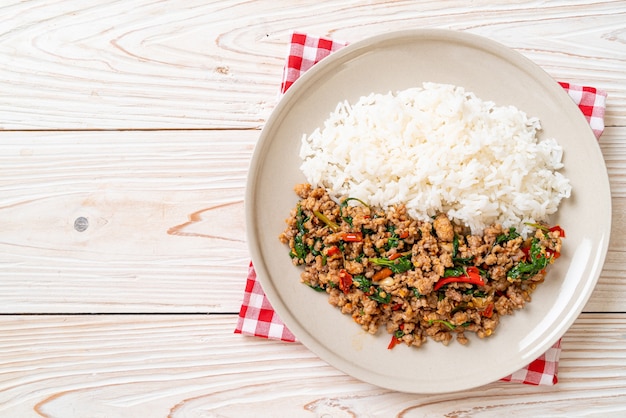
(397, 61)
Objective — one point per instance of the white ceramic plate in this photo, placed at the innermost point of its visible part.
(398, 61)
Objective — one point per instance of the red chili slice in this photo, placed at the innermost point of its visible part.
(394, 341)
(472, 277)
(552, 254)
(345, 281)
(382, 274)
(334, 250)
(352, 237)
(488, 311)
(558, 228)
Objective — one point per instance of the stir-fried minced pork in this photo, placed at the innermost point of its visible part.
(416, 279)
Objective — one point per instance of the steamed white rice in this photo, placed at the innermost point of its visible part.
(438, 148)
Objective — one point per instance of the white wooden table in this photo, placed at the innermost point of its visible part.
(140, 117)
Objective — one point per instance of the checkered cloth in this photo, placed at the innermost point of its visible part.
(257, 317)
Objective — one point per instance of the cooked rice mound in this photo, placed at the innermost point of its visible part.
(439, 149)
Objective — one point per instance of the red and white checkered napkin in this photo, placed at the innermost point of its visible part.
(257, 317)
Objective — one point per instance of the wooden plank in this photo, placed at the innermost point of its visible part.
(166, 228)
(156, 202)
(193, 365)
(613, 146)
(198, 64)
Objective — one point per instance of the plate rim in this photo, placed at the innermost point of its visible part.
(303, 82)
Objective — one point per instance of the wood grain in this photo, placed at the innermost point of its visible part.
(196, 64)
(193, 365)
(166, 227)
(140, 116)
(165, 209)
